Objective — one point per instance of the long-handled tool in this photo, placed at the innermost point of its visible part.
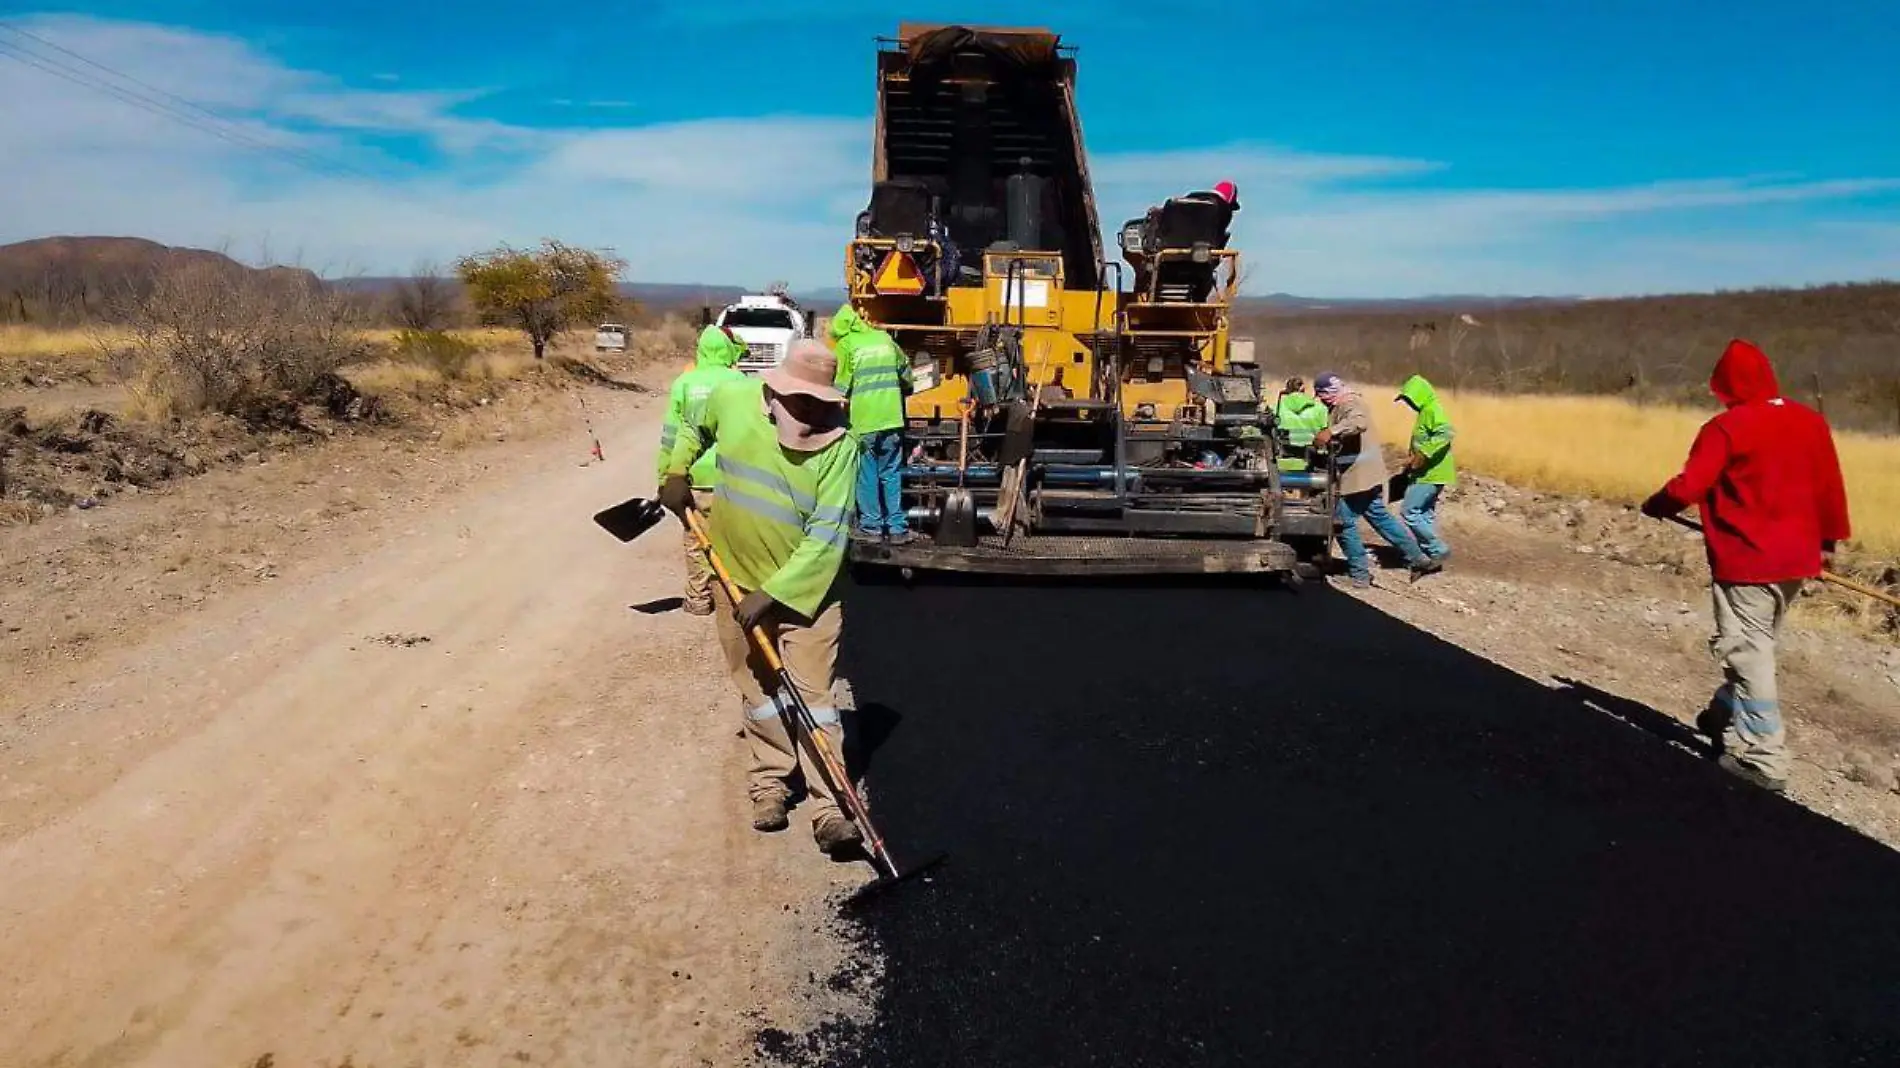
(1826, 576)
(829, 759)
(632, 518)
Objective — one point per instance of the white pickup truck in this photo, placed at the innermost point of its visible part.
(766, 324)
(610, 337)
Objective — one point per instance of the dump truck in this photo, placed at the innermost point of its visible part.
(1064, 418)
(766, 324)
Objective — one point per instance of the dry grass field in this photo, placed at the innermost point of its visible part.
(1610, 449)
(1604, 447)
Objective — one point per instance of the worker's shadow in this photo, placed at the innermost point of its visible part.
(1636, 714)
(865, 731)
(659, 606)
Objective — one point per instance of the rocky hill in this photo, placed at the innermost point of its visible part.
(65, 280)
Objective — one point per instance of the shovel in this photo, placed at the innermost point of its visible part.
(630, 519)
(1826, 576)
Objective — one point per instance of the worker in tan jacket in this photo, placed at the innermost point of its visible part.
(1362, 480)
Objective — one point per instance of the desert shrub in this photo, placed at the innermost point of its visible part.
(670, 339)
(446, 354)
(207, 338)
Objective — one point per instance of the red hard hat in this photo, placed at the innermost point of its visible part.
(1227, 191)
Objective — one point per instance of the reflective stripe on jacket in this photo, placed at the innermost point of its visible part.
(713, 364)
(781, 518)
(872, 370)
(1301, 416)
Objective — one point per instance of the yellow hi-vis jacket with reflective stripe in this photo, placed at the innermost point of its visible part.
(780, 518)
(713, 364)
(872, 371)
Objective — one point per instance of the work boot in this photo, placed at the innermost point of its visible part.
(1751, 775)
(902, 537)
(1426, 565)
(834, 832)
(768, 813)
(1362, 582)
(694, 608)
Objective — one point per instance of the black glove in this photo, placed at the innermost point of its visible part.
(676, 495)
(1659, 506)
(756, 608)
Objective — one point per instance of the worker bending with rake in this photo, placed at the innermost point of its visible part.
(1767, 479)
(779, 528)
(715, 362)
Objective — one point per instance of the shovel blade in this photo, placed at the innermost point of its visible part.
(630, 518)
(865, 896)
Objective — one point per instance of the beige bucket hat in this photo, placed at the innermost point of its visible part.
(809, 369)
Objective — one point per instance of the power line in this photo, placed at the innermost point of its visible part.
(147, 98)
(57, 47)
(213, 123)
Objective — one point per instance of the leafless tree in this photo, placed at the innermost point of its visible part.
(425, 301)
(210, 337)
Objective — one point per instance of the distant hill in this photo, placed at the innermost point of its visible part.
(75, 278)
(653, 296)
(1290, 303)
(60, 280)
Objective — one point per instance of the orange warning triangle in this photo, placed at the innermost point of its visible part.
(899, 274)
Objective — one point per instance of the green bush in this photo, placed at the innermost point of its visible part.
(449, 355)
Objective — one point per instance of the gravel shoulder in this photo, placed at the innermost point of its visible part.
(359, 755)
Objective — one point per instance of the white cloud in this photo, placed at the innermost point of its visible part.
(743, 200)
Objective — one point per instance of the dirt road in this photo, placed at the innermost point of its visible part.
(432, 795)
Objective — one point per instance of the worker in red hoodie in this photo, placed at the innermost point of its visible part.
(1767, 480)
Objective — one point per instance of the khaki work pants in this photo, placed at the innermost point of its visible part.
(699, 576)
(1747, 623)
(809, 648)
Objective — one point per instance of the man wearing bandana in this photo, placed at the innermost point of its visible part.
(780, 524)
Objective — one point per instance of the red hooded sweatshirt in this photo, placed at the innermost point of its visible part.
(1764, 474)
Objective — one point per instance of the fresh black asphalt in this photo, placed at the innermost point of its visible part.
(1218, 824)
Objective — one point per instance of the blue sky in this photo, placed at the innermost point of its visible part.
(1381, 148)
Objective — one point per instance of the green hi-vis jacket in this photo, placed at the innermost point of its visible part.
(1301, 415)
(872, 371)
(1431, 433)
(714, 363)
(780, 518)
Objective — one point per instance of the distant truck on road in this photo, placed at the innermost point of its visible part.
(610, 337)
(766, 324)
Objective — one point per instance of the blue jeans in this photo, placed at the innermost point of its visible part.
(1370, 506)
(880, 505)
(1419, 509)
